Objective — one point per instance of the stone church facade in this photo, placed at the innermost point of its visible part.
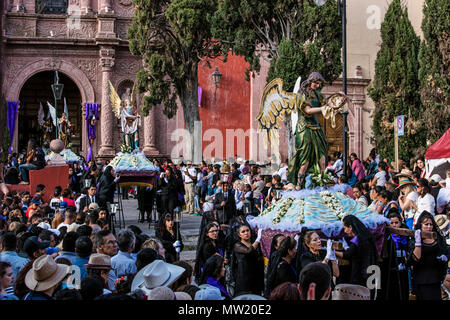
(89, 46)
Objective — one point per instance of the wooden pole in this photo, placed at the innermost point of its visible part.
(396, 144)
(410, 233)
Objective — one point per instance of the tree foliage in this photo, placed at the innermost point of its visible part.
(296, 36)
(434, 72)
(395, 89)
(172, 37)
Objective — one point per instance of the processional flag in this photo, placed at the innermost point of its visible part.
(41, 115)
(52, 112)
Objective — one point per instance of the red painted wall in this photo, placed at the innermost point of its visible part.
(227, 107)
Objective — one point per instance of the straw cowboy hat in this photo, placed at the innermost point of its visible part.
(404, 173)
(45, 274)
(156, 274)
(347, 291)
(441, 221)
(99, 261)
(403, 181)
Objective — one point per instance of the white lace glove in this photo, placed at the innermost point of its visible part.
(418, 238)
(177, 246)
(443, 258)
(329, 249)
(296, 237)
(345, 244)
(258, 238)
(116, 179)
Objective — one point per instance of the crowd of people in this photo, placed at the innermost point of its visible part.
(68, 249)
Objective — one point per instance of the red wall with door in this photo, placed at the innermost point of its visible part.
(227, 107)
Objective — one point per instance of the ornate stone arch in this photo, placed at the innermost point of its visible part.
(73, 72)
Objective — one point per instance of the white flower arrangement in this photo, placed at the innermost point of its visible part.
(301, 214)
(320, 179)
(333, 203)
(284, 207)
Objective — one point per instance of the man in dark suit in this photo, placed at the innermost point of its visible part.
(91, 197)
(224, 204)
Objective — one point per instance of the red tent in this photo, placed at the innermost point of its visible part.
(437, 157)
(440, 149)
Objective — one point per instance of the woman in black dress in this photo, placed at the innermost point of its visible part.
(207, 248)
(361, 249)
(274, 259)
(107, 187)
(168, 232)
(428, 259)
(169, 191)
(249, 271)
(310, 250)
(285, 269)
(394, 275)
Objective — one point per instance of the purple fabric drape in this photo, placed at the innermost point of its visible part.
(91, 108)
(200, 90)
(11, 116)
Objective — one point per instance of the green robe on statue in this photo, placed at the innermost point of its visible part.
(310, 140)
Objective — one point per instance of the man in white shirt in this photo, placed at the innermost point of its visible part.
(189, 175)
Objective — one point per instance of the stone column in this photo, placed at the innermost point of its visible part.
(106, 113)
(150, 134)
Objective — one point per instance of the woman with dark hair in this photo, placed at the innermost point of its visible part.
(381, 177)
(169, 190)
(107, 187)
(207, 248)
(428, 259)
(394, 276)
(213, 273)
(425, 201)
(285, 270)
(285, 291)
(309, 250)
(249, 270)
(35, 160)
(74, 180)
(168, 232)
(376, 204)
(274, 259)
(6, 281)
(357, 167)
(388, 202)
(361, 251)
(419, 167)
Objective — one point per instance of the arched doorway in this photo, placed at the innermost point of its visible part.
(37, 90)
(334, 135)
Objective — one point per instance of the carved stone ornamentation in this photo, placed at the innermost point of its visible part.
(122, 29)
(89, 67)
(124, 8)
(52, 64)
(127, 66)
(87, 30)
(20, 28)
(52, 28)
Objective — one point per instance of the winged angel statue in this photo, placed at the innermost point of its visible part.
(130, 120)
(306, 101)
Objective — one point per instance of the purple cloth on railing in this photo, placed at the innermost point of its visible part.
(268, 234)
(11, 115)
(91, 108)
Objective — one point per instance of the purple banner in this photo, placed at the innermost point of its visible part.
(11, 116)
(200, 90)
(91, 124)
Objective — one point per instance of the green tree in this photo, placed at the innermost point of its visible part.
(434, 72)
(395, 89)
(295, 36)
(172, 37)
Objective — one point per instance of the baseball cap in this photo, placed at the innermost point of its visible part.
(33, 244)
(63, 205)
(35, 202)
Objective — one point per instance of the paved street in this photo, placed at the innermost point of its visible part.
(189, 227)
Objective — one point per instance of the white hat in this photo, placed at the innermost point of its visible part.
(44, 225)
(156, 274)
(345, 291)
(436, 178)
